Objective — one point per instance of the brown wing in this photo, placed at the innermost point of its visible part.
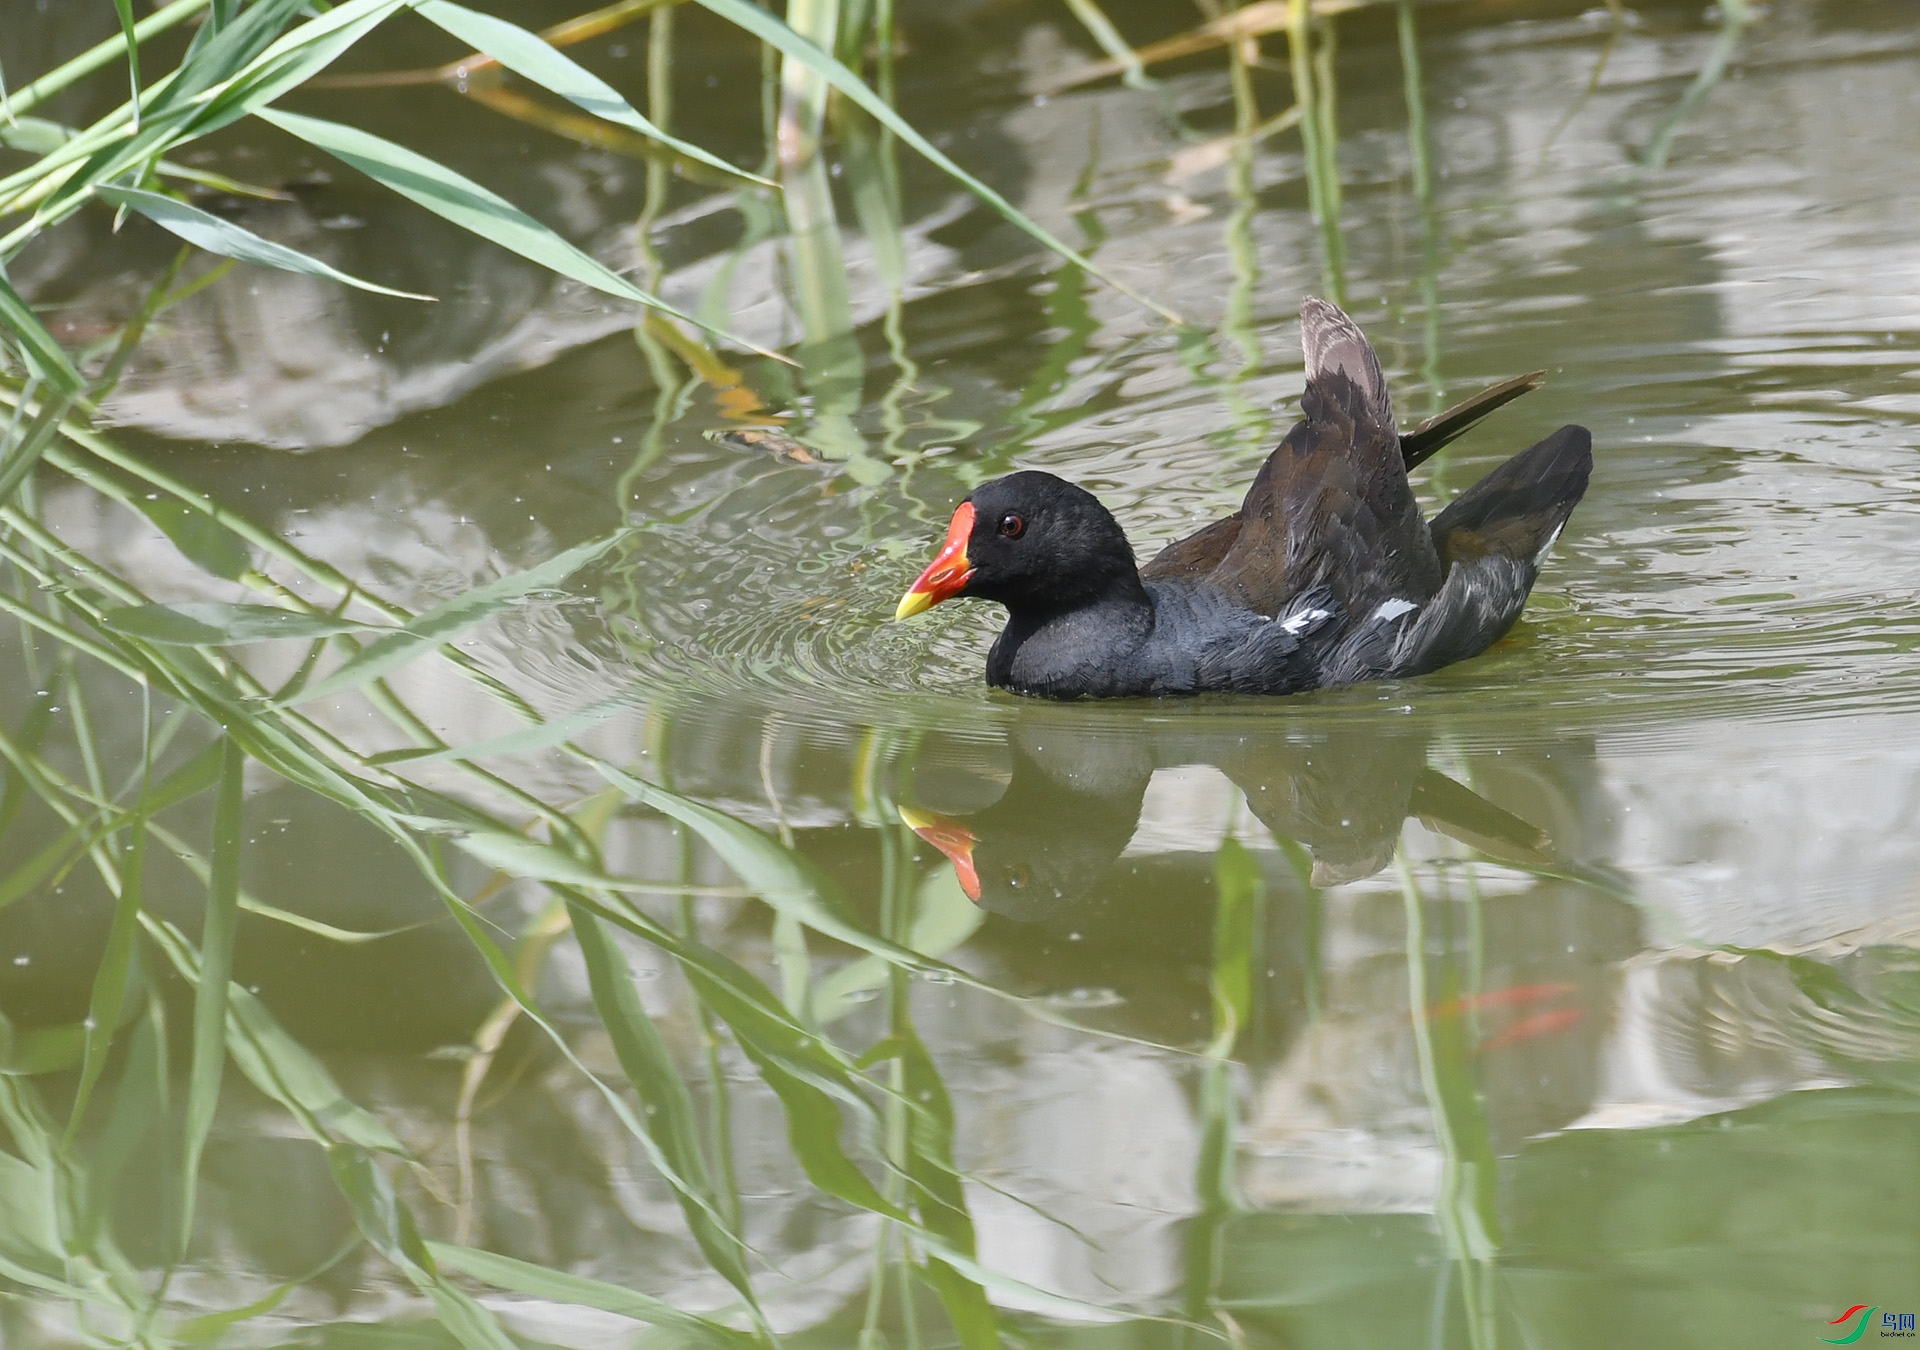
(1196, 555)
(1331, 506)
(1202, 551)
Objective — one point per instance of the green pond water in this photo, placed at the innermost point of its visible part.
(1567, 997)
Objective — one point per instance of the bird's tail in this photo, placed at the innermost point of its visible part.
(1436, 432)
(1517, 511)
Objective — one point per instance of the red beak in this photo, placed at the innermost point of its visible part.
(947, 575)
(951, 838)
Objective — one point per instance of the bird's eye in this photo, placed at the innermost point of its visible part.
(1012, 525)
(1018, 875)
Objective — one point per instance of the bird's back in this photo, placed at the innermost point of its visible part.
(1331, 508)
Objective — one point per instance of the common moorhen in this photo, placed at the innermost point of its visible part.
(1328, 574)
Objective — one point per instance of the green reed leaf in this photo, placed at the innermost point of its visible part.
(535, 859)
(279, 1066)
(138, 1108)
(293, 1075)
(807, 1074)
(671, 1127)
(104, 1005)
(523, 1277)
(189, 780)
(780, 876)
(34, 135)
(124, 8)
(172, 113)
(941, 1197)
(27, 741)
(30, 1245)
(943, 919)
(216, 967)
(46, 359)
(54, 856)
(210, 545)
(532, 57)
(798, 1068)
(223, 54)
(101, 54)
(210, 232)
(772, 31)
(454, 197)
(378, 1213)
(427, 631)
(213, 1326)
(292, 60)
(387, 1224)
(542, 736)
(214, 624)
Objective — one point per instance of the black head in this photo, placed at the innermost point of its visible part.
(1033, 542)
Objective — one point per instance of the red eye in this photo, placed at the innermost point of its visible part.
(1013, 526)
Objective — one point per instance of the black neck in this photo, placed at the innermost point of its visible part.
(1088, 643)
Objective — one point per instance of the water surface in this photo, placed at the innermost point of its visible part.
(1569, 996)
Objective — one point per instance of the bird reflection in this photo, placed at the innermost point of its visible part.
(1073, 800)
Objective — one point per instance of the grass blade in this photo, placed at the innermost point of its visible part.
(772, 31)
(464, 202)
(533, 859)
(174, 112)
(429, 630)
(110, 981)
(98, 55)
(207, 231)
(294, 59)
(669, 1117)
(388, 1225)
(1237, 881)
(530, 56)
(210, 545)
(46, 359)
(291, 1074)
(216, 966)
(214, 624)
(124, 8)
(540, 736)
(941, 1197)
(280, 1066)
(781, 877)
(523, 1277)
(798, 1068)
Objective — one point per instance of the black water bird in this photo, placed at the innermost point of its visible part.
(1328, 574)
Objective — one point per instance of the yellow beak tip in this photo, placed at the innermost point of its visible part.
(916, 820)
(912, 603)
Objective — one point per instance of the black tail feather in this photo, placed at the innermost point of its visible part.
(1517, 510)
(1425, 440)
